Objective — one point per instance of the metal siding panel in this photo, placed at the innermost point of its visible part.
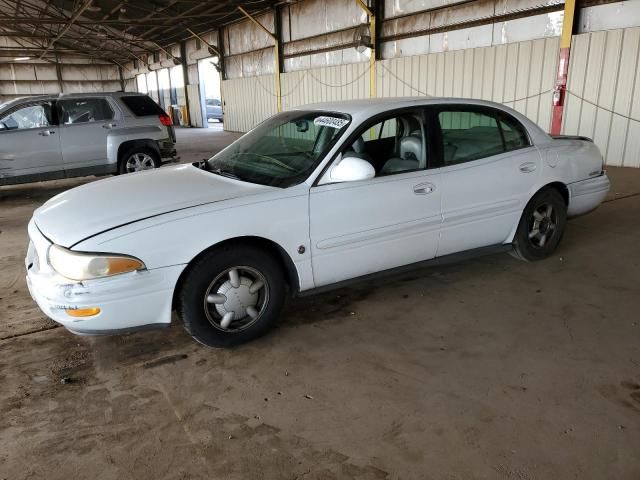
(628, 103)
(405, 76)
(592, 84)
(439, 85)
(535, 86)
(523, 77)
(423, 85)
(380, 77)
(488, 73)
(448, 73)
(467, 74)
(632, 148)
(415, 75)
(458, 72)
(606, 97)
(248, 101)
(478, 72)
(499, 70)
(576, 83)
(432, 74)
(511, 74)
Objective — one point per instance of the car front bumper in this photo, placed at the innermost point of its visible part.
(129, 301)
(586, 195)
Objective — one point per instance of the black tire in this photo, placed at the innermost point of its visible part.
(539, 232)
(210, 275)
(143, 151)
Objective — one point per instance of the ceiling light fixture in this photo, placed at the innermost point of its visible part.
(18, 59)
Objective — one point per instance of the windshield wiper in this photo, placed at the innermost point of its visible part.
(224, 173)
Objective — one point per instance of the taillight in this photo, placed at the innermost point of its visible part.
(165, 120)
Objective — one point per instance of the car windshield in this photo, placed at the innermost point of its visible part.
(283, 150)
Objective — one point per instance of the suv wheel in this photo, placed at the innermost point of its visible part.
(231, 295)
(138, 159)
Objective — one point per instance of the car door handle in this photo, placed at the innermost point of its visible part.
(527, 167)
(46, 133)
(424, 188)
(109, 125)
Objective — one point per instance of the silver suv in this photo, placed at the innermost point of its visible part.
(50, 137)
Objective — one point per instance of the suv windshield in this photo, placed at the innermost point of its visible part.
(283, 150)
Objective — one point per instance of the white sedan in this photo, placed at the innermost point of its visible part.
(310, 198)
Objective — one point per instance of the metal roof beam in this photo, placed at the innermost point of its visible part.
(75, 17)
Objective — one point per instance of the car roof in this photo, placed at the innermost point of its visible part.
(59, 96)
(362, 109)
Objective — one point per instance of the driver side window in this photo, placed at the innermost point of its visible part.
(28, 116)
(395, 144)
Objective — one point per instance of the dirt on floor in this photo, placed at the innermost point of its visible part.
(487, 369)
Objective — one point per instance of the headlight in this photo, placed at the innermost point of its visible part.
(85, 266)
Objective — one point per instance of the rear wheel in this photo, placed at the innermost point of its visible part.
(138, 159)
(541, 226)
(231, 295)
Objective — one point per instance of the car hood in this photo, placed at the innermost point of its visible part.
(84, 211)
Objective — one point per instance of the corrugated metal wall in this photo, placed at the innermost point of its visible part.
(195, 111)
(520, 75)
(342, 82)
(604, 94)
(248, 101)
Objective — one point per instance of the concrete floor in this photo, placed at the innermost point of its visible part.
(488, 369)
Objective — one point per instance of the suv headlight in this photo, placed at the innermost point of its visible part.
(86, 266)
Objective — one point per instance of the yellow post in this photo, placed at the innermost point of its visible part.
(276, 55)
(567, 23)
(372, 59)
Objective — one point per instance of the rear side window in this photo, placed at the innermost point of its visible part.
(84, 110)
(469, 135)
(141, 105)
(514, 134)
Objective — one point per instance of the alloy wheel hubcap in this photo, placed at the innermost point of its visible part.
(138, 162)
(236, 299)
(542, 225)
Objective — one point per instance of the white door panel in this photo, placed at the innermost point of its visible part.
(30, 151)
(84, 128)
(482, 200)
(84, 145)
(364, 227)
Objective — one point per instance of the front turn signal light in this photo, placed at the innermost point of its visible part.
(82, 312)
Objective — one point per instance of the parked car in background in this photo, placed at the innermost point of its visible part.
(62, 136)
(310, 198)
(214, 109)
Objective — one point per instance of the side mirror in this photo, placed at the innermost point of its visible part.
(351, 169)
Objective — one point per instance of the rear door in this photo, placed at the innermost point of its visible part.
(488, 167)
(85, 124)
(29, 140)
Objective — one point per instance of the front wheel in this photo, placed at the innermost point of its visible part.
(231, 295)
(541, 226)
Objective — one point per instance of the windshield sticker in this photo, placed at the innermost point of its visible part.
(332, 122)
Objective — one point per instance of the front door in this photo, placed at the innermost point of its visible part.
(85, 124)
(29, 141)
(367, 226)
